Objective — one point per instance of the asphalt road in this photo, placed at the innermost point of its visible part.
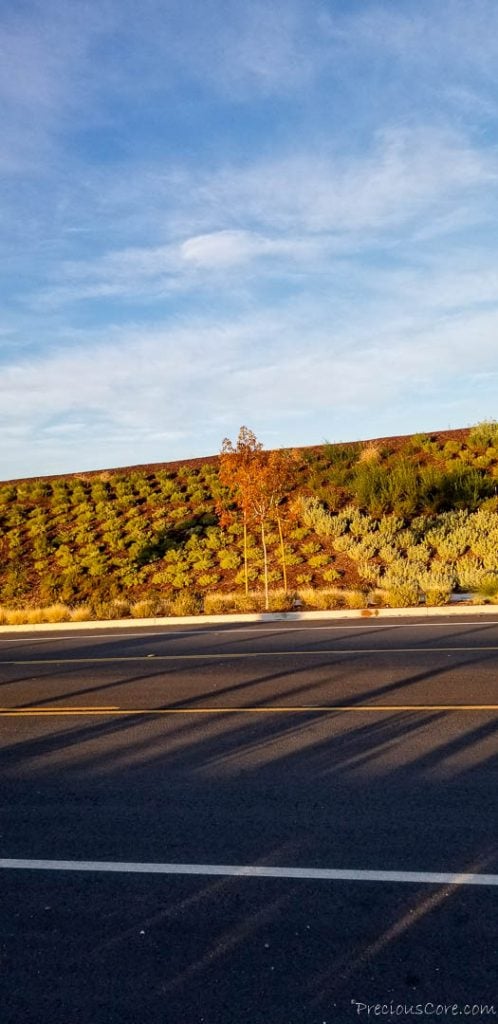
(354, 747)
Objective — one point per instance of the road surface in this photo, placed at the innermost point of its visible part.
(278, 823)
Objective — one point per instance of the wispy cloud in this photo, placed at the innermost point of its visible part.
(158, 390)
(232, 248)
(244, 212)
(400, 175)
(300, 214)
(397, 179)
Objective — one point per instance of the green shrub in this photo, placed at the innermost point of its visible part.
(274, 575)
(463, 488)
(304, 577)
(310, 548)
(400, 585)
(417, 442)
(300, 532)
(207, 579)
(483, 435)
(316, 561)
(200, 560)
(252, 575)
(436, 598)
(331, 574)
(8, 493)
(369, 571)
(315, 517)
(394, 488)
(370, 487)
(215, 539)
(341, 454)
(488, 588)
(281, 600)
(402, 596)
(451, 449)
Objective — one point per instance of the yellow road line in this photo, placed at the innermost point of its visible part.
(226, 656)
(293, 709)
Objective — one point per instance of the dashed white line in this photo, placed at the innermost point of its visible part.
(254, 871)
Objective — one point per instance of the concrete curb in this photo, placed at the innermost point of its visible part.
(207, 620)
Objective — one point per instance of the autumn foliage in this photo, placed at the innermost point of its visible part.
(257, 483)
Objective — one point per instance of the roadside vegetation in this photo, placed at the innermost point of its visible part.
(395, 521)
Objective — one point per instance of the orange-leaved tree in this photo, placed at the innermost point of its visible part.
(236, 469)
(257, 482)
(281, 470)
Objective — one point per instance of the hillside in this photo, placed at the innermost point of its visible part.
(387, 519)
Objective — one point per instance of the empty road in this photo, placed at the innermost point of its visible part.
(272, 823)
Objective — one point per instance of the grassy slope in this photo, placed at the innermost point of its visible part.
(152, 531)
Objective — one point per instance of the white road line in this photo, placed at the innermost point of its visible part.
(254, 871)
(100, 636)
(206, 631)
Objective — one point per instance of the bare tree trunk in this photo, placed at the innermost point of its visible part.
(246, 572)
(265, 558)
(282, 549)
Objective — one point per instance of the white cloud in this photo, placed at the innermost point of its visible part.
(220, 249)
(139, 272)
(298, 375)
(294, 215)
(403, 176)
(285, 178)
(400, 175)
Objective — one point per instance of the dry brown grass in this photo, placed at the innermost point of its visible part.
(148, 608)
(82, 613)
(233, 602)
(321, 599)
(355, 599)
(220, 604)
(184, 603)
(35, 616)
(56, 613)
(20, 617)
(370, 453)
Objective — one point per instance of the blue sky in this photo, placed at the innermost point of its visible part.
(282, 214)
